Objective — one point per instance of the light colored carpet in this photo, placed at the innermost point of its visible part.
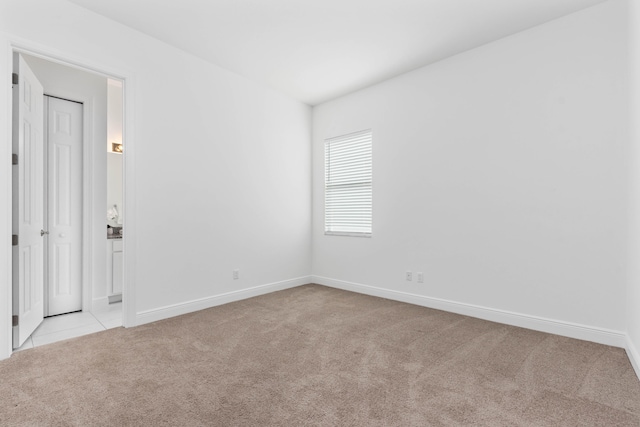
(320, 356)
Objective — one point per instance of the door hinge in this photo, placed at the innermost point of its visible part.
(14, 78)
(16, 321)
(14, 159)
(14, 240)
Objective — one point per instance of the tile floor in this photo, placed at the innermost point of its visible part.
(65, 326)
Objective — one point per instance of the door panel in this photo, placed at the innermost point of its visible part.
(64, 145)
(28, 218)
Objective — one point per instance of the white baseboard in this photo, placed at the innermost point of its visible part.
(99, 303)
(634, 356)
(215, 300)
(571, 330)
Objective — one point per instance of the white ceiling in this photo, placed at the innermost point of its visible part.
(317, 50)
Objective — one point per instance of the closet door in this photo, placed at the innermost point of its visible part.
(64, 206)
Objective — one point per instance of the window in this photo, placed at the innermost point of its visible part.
(348, 191)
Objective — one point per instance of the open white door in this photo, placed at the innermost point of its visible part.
(28, 199)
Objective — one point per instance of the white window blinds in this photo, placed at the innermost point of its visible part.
(348, 190)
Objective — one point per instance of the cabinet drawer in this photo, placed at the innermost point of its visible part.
(116, 285)
(117, 246)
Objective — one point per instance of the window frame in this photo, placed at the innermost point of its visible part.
(364, 139)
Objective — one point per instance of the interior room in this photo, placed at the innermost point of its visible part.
(505, 201)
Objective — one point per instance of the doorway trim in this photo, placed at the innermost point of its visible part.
(127, 78)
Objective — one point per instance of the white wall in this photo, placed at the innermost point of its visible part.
(114, 113)
(633, 290)
(219, 169)
(501, 174)
(114, 186)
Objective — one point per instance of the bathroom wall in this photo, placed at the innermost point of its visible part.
(114, 160)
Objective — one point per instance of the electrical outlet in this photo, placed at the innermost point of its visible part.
(236, 274)
(420, 277)
(409, 276)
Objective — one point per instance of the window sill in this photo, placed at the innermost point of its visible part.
(336, 233)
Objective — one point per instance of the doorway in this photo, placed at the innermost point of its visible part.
(88, 90)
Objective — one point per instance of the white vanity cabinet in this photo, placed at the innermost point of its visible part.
(114, 267)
